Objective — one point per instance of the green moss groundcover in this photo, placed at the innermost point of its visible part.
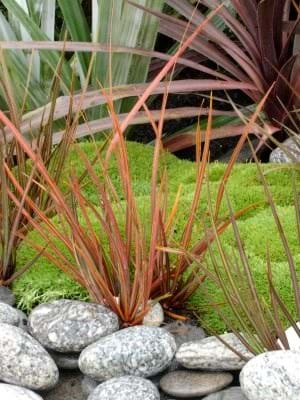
(44, 282)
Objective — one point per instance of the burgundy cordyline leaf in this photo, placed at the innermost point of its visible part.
(247, 10)
(260, 49)
(266, 15)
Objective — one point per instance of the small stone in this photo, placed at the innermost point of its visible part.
(293, 339)
(9, 315)
(11, 392)
(7, 296)
(65, 360)
(233, 393)
(184, 331)
(212, 355)
(186, 384)
(125, 388)
(69, 326)
(139, 350)
(272, 376)
(292, 146)
(88, 385)
(155, 316)
(23, 361)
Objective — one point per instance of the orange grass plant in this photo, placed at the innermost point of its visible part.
(107, 246)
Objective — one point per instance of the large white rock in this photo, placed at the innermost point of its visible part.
(273, 375)
(292, 337)
(12, 392)
(140, 351)
(70, 326)
(125, 388)
(212, 355)
(23, 361)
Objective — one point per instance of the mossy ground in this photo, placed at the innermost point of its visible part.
(44, 282)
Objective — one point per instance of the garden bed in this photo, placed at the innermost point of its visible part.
(44, 282)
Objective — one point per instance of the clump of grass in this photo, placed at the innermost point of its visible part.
(258, 319)
(18, 175)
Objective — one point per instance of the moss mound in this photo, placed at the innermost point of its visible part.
(44, 282)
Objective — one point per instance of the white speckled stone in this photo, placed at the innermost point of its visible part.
(9, 315)
(274, 375)
(23, 361)
(140, 350)
(233, 393)
(212, 355)
(293, 339)
(65, 360)
(11, 392)
(186, 384)
(293, 146)
(125, 388)
(155, 316)
(7, 296)
(70, 326)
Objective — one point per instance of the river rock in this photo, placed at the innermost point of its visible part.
(70, 326)
(292, 146)
(23, 361)
(9, 315)
(274, 375)
(125, 388)
(65, 360)
(186, 384)
(140, 350)
(155, 316)
(12, 392)
(7, 296)
(212, 355)
(233, 393)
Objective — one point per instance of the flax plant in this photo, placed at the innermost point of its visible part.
(108, 250)
(106, 274)
(107, 246)
(113, 23)
(14, 161)
(127, 59)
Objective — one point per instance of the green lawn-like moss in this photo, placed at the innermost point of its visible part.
(44, 282)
